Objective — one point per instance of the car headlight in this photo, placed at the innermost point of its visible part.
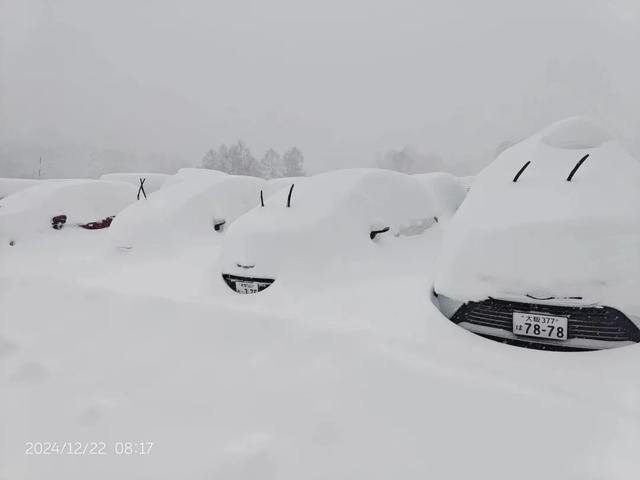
(448, 306)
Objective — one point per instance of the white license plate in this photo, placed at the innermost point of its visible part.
(540, 326)
(247, 287)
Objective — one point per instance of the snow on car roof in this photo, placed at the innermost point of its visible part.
(81, 199)
(542, 191)
(189, 173)
(383, 191)
(13, 185)
(276, 184)
(575, 133)
(186, 209)
(543, 234)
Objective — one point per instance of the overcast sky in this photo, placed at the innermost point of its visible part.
(342, 79)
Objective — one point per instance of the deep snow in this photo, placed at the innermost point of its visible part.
(362, 378)
(350, 375)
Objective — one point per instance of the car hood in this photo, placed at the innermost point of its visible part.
(598, 262)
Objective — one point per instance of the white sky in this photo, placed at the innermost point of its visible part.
(341, 79)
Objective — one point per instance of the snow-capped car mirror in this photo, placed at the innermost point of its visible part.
(218, 224)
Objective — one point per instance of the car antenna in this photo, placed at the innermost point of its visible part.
(289, 197)
(578, 165)
(261, 199)
(524, 167)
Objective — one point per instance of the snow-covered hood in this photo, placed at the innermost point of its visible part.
(329, 222)
(546, 236)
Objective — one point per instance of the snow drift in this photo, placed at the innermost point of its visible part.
(544, 235)
(186, 211)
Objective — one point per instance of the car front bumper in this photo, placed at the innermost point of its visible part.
(589, 327)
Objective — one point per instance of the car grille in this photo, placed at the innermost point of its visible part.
(593, 323)
(231, 280)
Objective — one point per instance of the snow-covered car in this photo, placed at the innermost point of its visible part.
(447, 192)
(191, 173)
(186, 211)
(545, 251)
(145, 182)
(58, 204)
(331, 218)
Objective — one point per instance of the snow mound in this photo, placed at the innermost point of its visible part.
(447, 192)
(186, 211)
(575, 133)
(152, 181)
(30, 211)
(330, 220)
(13, 185)
(192, 174)
(544, 235)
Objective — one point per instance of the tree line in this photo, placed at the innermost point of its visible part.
(238, 160)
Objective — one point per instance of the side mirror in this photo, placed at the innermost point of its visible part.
(218, 224)
(374, 233)
(58, 222)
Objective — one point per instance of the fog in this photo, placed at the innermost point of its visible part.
(344, 80)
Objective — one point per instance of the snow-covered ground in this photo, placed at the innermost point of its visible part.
(346, 378)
